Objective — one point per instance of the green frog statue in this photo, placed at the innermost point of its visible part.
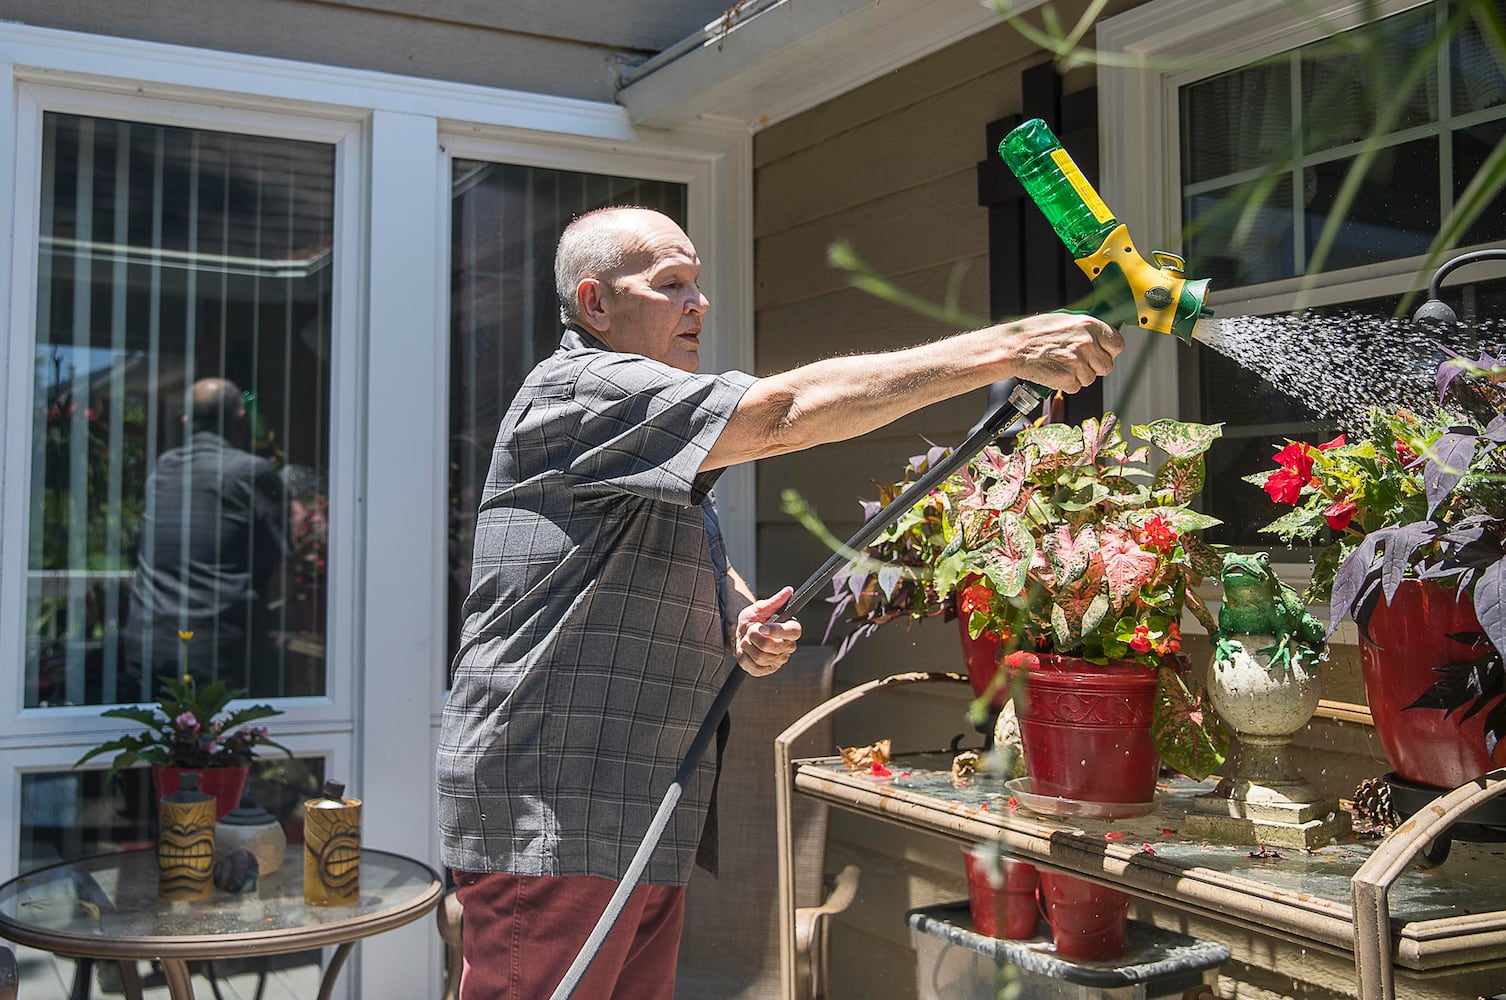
(1256, 602)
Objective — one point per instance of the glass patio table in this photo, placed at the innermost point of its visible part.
(106, 907)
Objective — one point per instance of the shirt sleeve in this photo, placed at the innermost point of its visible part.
(646, 427)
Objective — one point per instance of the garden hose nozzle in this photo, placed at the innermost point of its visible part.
(1127, 288)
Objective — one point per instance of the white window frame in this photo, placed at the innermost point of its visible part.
(395, 404)
(1156, 49)
(32, 102)
(719, 213)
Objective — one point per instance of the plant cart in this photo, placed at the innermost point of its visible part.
(1362, 902)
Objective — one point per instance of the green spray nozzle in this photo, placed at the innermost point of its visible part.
(1127, 288)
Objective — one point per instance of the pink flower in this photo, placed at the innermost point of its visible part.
(187, 721)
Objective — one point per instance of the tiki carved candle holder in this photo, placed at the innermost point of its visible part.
(185, 847)
(331, 848)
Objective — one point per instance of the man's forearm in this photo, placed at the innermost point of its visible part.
(840, 398)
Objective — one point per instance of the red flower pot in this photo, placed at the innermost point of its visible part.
(1086, 728)
(1000, 893)
(224, 783)
(981, 657)
(1087, 920)
(1407, 640)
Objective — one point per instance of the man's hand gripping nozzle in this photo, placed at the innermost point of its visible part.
(1127, 288)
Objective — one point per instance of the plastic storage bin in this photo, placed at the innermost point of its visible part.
(957, 963)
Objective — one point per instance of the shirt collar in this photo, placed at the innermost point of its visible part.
(577, 338)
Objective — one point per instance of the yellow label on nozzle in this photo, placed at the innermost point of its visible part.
(1081, 186)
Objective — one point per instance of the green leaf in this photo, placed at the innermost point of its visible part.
(1180, 477)
(1179, 518)
(1179, 439)
(1055, 443)
(1007, 565)
(1299, 522)
(1188, 733)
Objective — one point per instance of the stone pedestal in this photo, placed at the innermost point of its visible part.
(1263, 799)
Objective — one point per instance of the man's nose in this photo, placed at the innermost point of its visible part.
(699, 303)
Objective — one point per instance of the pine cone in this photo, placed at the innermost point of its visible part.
(1373, 811)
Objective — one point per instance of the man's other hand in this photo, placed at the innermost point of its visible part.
(761, 646)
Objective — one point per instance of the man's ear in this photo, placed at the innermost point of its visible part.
(590, 304)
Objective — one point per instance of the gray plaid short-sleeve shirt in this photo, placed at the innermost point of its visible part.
(593, 642)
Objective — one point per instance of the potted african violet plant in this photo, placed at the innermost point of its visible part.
(1417, 508)
(1070, 562)
(190, 729)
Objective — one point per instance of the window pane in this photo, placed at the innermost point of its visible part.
(1395, 213)
(1348, 83)
(504, 314)
(1478, 81)
(1218, 140)
(66, 815)
(180, 439)
(1244, 235)
(1471, 146)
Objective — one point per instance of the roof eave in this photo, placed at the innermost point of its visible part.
(768, 61)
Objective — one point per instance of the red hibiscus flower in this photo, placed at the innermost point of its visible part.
(1338, 514)
(1295, 471)
(1284, 487)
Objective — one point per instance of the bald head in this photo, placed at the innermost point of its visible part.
(600, 244)
(215, 404)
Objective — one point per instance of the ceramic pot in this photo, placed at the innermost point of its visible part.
(1264, 705)
(1087, 920)
(1001, 893)
(981, 658)
(250, 827)
(1407, 640)
(225, 783)
(1086, 727)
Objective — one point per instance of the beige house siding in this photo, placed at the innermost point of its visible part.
(573, 49)
(889, 169)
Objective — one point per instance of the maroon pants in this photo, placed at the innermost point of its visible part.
(521, 932)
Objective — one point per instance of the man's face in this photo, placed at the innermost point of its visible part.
(654, 306)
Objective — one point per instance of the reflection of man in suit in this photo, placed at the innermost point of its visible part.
(215, 532)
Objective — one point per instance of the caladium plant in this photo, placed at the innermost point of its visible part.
(1423, 497)
(1068, 542)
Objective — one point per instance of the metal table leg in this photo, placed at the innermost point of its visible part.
(327, 985)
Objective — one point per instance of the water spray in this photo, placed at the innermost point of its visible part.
(1127, 289)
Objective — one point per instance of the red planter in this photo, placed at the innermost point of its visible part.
(1407, 640)
(1087, 920)
(1086, 728)
(1001, 893)
(981, 656)
(225, 783)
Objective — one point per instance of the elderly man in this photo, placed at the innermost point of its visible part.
(602, 607)
(214, 536)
